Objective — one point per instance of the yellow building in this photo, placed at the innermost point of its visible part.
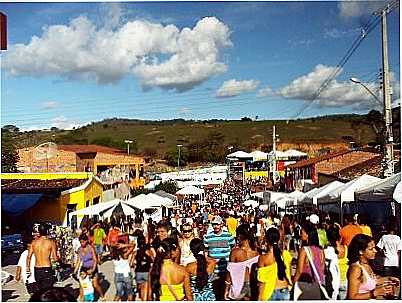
(48, 197)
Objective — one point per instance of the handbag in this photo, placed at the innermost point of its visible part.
(324, 293)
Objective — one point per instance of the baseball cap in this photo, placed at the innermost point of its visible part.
(314, 219)
(217, 220)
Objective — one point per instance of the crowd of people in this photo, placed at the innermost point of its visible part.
(218, 249)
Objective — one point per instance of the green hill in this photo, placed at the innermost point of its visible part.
(157, 138)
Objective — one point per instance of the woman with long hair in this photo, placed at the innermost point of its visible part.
(87, 261)
(201, 272)
(363, 284)
(242, 257)
(169, 280)
(274, 283)
(143, 262)
(309, 280)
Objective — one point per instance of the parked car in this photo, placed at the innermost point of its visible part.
(11, 244)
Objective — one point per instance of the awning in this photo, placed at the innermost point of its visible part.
(16, 204)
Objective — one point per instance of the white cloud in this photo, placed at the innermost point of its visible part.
(264, 92)
(353, 8)
(337, 33)
(49, 105)
(184, 111)
(232, 88)
(62, 122)
(160, 56)
(337, 93)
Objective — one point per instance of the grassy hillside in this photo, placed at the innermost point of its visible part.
(157, 138)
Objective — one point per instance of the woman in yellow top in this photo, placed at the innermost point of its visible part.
(169, 281)
(274, 285)
(363, 220)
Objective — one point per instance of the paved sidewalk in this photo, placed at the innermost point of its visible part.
(14, 291)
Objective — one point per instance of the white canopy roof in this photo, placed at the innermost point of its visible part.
(295, 153)
(190, 190)
(316, 193)
(278, 154)
(95, 209)
(346, 192)
(139, 201)
(259, 155)
(127, 210)
(380, 191)
(239, 155)
(272, 194)
(398, 193)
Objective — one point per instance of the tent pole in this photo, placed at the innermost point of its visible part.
(341, 213)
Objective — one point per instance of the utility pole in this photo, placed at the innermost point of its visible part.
(274, 155)
(388, 150)
(178, 158)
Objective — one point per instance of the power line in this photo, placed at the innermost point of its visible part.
(370, 25)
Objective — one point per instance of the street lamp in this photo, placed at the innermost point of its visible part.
(230, 150)
(388, 148)
(357, 81)
(178, 158)
(128, 142)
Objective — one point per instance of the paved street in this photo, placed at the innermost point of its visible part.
(15, 291)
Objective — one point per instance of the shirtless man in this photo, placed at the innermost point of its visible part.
(44, 250)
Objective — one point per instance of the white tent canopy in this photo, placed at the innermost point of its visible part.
(398, 193)
(273, 195)
(294, 153)
(316, 193)
(278, 154)
(346, 192)
(380, 191)
(138, 201)
(259, 155)
(127, 210)
(240, 155)
(95, 209)
(190, 190)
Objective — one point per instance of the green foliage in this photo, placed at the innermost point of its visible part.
(168, 186)
(172, 156)
(9, 154)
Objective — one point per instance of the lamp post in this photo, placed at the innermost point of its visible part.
(178, 158)
(357, 81)
(230, 150)
(128, 142)
(388, 148)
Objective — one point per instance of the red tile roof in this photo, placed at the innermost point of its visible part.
(38, 186)
(311, 161)
(91, 148)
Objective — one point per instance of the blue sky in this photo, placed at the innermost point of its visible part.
(69, 64)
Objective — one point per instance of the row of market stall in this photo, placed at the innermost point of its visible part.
(339, 197)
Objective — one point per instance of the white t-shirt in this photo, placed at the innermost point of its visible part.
(22, 262)
(390, 244)
(86, 285)
(122, 266)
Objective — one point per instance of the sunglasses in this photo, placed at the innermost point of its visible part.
(187, 231)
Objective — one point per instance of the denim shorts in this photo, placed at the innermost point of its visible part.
(99, 249)
(141, 277)
(281, 294)
(123, 285)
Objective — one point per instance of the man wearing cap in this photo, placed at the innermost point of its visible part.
(219, 244)
(322, 234)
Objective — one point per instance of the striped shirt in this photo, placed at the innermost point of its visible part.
(219, 247)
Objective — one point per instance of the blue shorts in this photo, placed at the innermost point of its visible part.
(123, 285)
(89, 297)
(99, 249)
(141, 277)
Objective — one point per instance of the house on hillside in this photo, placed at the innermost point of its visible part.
(109, 164)
(319, 168)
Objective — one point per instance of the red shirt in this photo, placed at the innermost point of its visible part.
(113, 236)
